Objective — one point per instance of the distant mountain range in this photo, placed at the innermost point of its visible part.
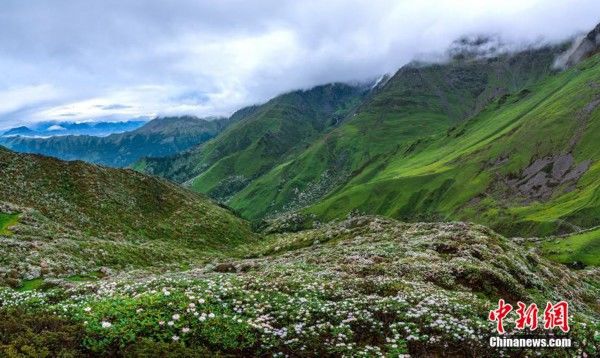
(159, 137)
(53, 128)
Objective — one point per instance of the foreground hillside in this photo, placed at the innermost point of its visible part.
(362, 287)
(69, 218)
(159, 137)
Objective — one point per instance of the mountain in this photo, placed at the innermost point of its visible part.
(524, 165)
(113, 262)
(20, 131)
(263, 138)
(343, 168)
(158, 137)
(54, 128)
(503, 140)
(71, 218)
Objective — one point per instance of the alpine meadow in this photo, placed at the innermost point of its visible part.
(221, 180)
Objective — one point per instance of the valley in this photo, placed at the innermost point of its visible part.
(376, 218)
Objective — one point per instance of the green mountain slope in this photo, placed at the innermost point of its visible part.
(159, 137)
(418, 103)
(527, 164)
(266, 136)
(61, 218)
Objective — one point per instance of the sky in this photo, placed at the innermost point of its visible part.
(117, 60)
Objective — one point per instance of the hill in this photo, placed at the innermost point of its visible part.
(70, 218)
(266, 136)
(158, 137)
(365, 286)
(418, 103)
(61, 128)
(525, 165)
(506, 141)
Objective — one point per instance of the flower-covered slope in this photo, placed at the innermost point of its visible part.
(362, 287)
(67, 218)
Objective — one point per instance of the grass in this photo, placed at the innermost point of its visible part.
(30, 285)
(416, 186)
(6, 221)
(576, 249)
(92, 276)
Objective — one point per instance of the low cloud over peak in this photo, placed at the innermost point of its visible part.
(115, 59)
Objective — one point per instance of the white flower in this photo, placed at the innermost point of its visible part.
(160, 323)
(201, 300)
(185, 330)
(202, 318)
(170, 323)
(211, 315)
(175, 338)
(87, 309)
(166, 293)
(106, 324)
(176, 317)
(192, 305)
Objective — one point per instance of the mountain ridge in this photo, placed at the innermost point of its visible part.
(59, 128)
(159, 137)
(271, 131)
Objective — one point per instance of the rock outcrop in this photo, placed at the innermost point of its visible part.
(582, 48)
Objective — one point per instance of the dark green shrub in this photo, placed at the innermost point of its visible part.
(25, 334)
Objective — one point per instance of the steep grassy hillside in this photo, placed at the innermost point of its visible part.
(159, 137)
(527, 164)
(417, 104)
(363, 287)
(66, 218)
(266, 136)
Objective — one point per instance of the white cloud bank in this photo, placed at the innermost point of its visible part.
(87, 60)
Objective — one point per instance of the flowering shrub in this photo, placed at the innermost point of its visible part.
(365, 287)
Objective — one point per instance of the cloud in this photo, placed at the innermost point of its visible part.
(122, 59)
(108, 107)
(56, 127)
